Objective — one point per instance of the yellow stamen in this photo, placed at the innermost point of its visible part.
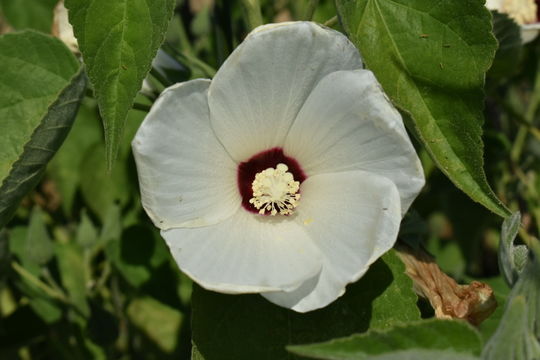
(275, 191)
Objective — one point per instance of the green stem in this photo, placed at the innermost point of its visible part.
(311, 7)
(331, 22)
(185, 44)
(253, 13)
(519, 117)
(195, 61)
(521, 136)
(38, 283)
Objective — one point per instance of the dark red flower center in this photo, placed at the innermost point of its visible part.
(259, 162)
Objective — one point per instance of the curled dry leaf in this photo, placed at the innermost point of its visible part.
(474, 302)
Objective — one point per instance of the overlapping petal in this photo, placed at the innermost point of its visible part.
(186, 177)
(347, 123)
(353, 218)
(259, 90)
(246, 253)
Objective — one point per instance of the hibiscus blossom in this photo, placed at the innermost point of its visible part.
(286, 175)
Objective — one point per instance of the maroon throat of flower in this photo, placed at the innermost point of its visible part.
(269, 182)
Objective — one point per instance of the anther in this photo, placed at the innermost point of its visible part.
(275, 191)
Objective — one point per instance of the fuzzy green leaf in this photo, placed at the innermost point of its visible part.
(513, 340)
(431, 59)
(419, 341)
(118, 40)
(512, 258)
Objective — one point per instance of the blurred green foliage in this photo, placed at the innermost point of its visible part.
(85, 275)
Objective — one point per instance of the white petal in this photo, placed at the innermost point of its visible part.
(347, 123)
(529, 32)
(257, 92)
(186, 176)
(494, 4)
(246, 253)
(353, 217)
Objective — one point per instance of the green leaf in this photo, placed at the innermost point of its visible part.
(71, 266)
(102, 189)
(17, 246)
(513, 340)
(118, 40)
(38, 103)
(419, 340)
(156, 320)
(64, 168)
(39, 248)
(518, 334)
(528, 286)
(29, 14)
(512, 259)
(431, 59)
(249, 327)
(136, 254)
(87, 235)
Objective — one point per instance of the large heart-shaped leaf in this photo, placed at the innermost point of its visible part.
(38, 103)
(431, 59)
(118, 40)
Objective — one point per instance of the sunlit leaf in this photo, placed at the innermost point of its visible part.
(118, 40)
(431, 59)
(38, 103)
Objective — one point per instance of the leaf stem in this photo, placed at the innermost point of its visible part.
(311, 7)
(521, 136)
(253, 13)
(185, 44)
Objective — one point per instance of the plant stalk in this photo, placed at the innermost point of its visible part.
(253, 13)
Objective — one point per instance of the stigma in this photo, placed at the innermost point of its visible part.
(275, 191)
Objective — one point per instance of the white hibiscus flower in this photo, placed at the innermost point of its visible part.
(286, 175)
